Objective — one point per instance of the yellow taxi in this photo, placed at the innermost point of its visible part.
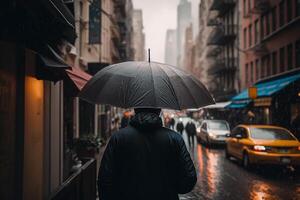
(263, 144)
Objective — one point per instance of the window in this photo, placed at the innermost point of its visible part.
(262, 67)
(256, 31)
(262, 34)
(274, 19)
(282, 59)
(245, 7)
(249, 5)
(274, 62)
(257, 69)
(246, 73)
(268, 67)
(250, 35)
(298, 8)
(267, 18)
(251, 72)
(245, 38)
(289, 10)
(297, 56)
(290, 56)
(281, 13)
(270, 134)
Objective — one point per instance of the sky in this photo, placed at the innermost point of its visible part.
(158, 16)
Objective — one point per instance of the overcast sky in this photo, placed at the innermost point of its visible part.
(158, 16)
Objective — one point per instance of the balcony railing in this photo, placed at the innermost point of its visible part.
(214, 51)
(79, 186)
(223, 35)
(213, 19)
(223, 65)
(222, 5)
(260, 6)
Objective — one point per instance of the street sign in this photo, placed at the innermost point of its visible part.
(252, 92)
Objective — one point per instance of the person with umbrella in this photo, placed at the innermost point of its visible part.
(190, 129)
(145, 160)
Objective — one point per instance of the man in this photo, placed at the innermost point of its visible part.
(180, 126)
(172, 123)
(190, 129)
(145, 161)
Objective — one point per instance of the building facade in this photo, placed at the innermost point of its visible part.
(189, 50)
(224, 43)
(138, 36)
(171, 47)
(270, 39)
(184, 18)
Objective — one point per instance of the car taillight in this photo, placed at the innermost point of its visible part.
(259, 148)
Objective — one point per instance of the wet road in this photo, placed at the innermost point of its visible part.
(222, 179)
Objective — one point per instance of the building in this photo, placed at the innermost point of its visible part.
(269, 39)
(138, 36)
(224, 38)
(189, 50)
(202, 60)
(123, 16)
(37, 90)
(170, 47)
(184, 18)
(270, 45)
(41, 73)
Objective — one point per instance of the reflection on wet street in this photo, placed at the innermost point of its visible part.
(222, 179)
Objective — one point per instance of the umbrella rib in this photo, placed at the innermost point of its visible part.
(195, 102)
(204, 88)
(172, 88)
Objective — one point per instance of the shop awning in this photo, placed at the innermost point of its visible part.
(218, 105)
(239, 104)
(78, 77)
(267, 89)
(50, 66)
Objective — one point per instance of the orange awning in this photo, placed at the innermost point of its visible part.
(78, 77)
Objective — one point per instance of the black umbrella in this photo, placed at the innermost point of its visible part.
(146, 84)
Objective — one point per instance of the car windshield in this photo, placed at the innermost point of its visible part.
(270, 134)
(217, 125)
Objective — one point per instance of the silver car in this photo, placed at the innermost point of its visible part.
(213, 132)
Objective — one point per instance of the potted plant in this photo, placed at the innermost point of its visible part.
(87, 146)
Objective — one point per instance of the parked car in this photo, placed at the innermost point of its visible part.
(263, 144)
(213, 132)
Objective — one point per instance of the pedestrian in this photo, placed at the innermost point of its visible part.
(125, 119)
(180, 126)
(145, 161)
(190, 129)
(172, 123)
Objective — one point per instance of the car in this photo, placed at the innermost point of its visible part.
(213, 132)
(263, 144)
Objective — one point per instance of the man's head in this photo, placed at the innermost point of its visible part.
(148, 110)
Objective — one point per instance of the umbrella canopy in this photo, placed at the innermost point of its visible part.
(146, 84)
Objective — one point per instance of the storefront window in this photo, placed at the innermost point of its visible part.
(297, 56)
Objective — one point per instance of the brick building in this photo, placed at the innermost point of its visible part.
(270, 36)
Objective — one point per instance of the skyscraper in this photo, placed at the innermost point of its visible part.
(138, 35)
(170, 47)
(184, 18)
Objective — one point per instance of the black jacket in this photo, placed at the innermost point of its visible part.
(190, 129)
(179, 127)
(145, 161)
